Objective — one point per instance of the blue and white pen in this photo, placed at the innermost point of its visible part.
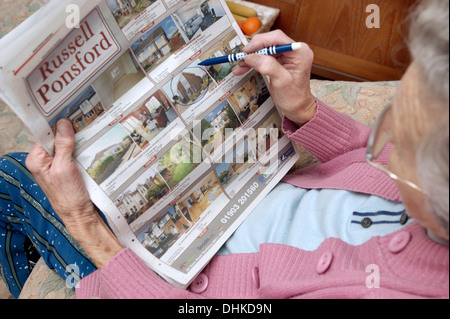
(241, 55)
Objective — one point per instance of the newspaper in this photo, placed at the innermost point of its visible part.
(175, 155)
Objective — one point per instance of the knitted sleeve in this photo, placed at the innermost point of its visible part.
(329, 134)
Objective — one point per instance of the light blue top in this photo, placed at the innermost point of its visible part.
(305, 218)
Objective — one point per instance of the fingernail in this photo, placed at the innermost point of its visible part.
(64, 127)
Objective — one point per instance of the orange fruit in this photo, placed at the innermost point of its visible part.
(251, 25)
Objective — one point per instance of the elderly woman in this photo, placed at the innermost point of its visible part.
(316, 246)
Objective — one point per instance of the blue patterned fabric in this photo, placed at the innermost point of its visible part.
(27, 216)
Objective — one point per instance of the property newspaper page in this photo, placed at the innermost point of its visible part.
(176, 155)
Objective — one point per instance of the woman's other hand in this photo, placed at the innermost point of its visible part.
(59, 178)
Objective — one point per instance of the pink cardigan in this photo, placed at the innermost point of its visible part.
(406, 264)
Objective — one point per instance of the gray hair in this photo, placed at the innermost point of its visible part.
(429, 46)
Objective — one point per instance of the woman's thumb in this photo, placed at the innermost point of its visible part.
(64, 140)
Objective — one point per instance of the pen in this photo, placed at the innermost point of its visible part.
(241, 55)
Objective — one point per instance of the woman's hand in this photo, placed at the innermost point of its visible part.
(59, 178)
(289, 75)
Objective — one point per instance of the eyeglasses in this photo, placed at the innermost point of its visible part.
(379, 139)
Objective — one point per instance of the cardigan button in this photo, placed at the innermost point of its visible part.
(255, 277)
(366, 222)
(199, 284)
(399, 242)
(404, 219)
(324, 262)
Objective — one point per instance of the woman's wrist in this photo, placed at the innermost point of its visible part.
(94, 236)
(306, 112)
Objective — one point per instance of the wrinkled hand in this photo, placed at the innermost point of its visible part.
(289, 75)
(59, 178)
